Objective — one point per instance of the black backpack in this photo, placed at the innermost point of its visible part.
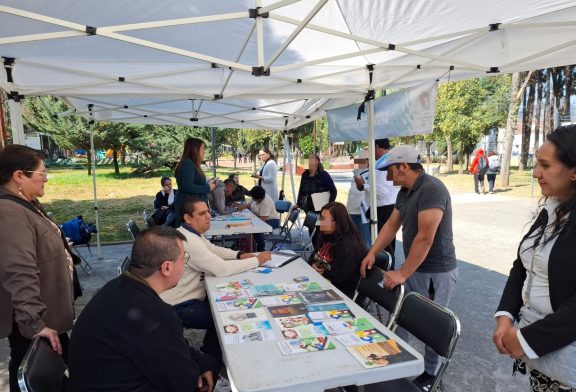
(482, 165)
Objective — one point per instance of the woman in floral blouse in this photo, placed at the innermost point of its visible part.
(339, 249)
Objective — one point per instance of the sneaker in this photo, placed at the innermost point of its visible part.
(424, 382)
(222, 385)
(491, 192)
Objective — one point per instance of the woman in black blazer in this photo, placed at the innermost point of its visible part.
(541, 290)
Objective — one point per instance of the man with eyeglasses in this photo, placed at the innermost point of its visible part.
(128, 339)
(424, 211)
(189, 296)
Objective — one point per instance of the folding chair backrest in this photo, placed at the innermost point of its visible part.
(123, 267)
(383, 260)
(42, 369)
(372, 287)
(133, 228)
(310, 222)
(434, 325)
(282, 206)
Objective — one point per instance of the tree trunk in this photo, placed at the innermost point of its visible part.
(527, 125)
(234, 155)
(123, 158)
(461, 157)
(537, 112)
(115, 160)
(549, 111)
(449, 153)
(568, 90)
(511, 125)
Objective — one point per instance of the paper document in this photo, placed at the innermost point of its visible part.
(319, 200)
(280, 258)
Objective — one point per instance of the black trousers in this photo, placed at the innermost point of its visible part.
(18, 347)
(383, 213)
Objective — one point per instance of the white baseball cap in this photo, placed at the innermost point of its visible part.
(401, 154)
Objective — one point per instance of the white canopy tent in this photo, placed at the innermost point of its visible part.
(273, 64)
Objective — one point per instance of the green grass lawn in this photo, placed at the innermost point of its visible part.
(125, 197)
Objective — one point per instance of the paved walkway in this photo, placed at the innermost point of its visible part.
(487, 229)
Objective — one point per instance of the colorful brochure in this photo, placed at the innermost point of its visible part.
(267, 289)
(284, 299)
(311, 297)
(375, 354)
(233, 290)
(257, 336)
(247, 326)
(288, 310)
(347, 326)
(362, 337)
(304, 331)
(241, 316)
(306, 345)
(303, 286)
(243, 303)
(292, 321)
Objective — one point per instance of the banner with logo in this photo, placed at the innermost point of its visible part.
(405, 113)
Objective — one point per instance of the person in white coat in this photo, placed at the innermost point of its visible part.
(268, 174)
(189, 296)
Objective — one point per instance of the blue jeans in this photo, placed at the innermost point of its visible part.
(259, 237)
(363, 228)
(196, 314)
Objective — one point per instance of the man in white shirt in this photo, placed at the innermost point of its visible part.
(263, 207)
(189, 296)
(386, 192)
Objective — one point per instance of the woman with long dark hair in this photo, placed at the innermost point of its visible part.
(315, 180)
(190, 177)
(268, 174)
(339, 249)
(540, 293)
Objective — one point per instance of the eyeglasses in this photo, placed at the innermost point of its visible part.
(43, 173)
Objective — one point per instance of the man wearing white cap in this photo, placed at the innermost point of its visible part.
(424, 210)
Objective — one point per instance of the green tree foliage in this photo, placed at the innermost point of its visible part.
(468, 109)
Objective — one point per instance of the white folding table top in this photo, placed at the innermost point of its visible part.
(220, 225)
(261, 367)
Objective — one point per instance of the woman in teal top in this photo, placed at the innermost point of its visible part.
(190, 177)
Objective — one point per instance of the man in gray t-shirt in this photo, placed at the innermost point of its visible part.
(424, 210)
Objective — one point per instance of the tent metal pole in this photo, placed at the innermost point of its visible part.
(372, 172)
(213, 141)
(286, 147)
(16, 121)
(292, 170)
(96, 211)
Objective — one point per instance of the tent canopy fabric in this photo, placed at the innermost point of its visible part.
(265, 63)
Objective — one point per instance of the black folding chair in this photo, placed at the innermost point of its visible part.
(285, 234)
(435, 326)
(383, 260)
(123, 267)
(372, 288)
(133, 229)
(42, 369)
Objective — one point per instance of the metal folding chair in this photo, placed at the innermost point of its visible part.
(371, 289)
(42, 369)
(435, 326)
(133, 229)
